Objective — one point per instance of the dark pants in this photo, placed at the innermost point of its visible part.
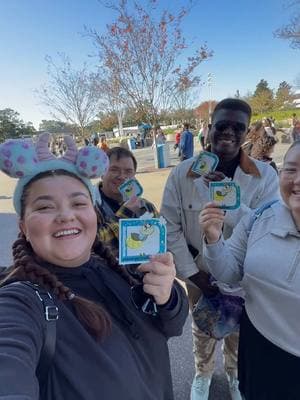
(265, 371)
(202, 141)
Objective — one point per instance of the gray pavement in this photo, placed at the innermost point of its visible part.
(8, 232)
(153, 181)
(182, 365)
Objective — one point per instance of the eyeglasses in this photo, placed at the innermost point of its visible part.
(143, 301)
(237, 127)
(289, 172)
(116, 172)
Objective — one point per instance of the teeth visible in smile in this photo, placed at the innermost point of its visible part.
(227, 140)
(66, 232)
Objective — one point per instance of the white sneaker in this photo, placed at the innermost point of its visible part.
(234, 387)
(200, 387)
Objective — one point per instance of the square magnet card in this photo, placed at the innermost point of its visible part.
(225, 194)
(130, 188)
(206, 162)
(141, 238)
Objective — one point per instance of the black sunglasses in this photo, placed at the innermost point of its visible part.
(143, 301)
(237, 127)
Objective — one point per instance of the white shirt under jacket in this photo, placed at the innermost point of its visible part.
(267, 264)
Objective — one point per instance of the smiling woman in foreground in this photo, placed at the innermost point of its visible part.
(105, 345)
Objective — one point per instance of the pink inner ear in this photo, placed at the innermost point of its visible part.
(71, 153)
(42, 148)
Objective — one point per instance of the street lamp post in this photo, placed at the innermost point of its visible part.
(209, 84)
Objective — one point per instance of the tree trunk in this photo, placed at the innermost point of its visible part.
(120, 123)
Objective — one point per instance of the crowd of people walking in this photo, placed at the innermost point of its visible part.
(72, 320)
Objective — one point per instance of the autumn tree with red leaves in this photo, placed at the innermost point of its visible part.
(143, 50)
(202, 111)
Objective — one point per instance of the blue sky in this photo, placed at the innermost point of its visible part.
(240, 32)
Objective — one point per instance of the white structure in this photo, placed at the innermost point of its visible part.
(133, 130)
(296, 101)
(130, 130)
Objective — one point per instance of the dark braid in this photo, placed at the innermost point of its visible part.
(103, 251)
(27, 267)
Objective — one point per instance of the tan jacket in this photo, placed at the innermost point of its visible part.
(185, 194)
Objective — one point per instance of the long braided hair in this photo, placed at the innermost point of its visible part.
(28, 267)
(105, 253)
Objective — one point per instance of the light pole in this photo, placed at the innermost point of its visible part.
(209, 84)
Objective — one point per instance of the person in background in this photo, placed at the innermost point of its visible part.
(255, 131)
(186, 143)
(61, 146)
(54, 147)
(111, 206)
(263, 149)
(296, 131)
(103, 338)
(177, 142)
(138, 140)
(257, 135)
(185, 195)
(143, 133)
(294, 119)
(95, 141)
(177, 139)
(266, 264)
(103, 144)
(269, 127)
(160, 136)
(272, 121)
(202, 135)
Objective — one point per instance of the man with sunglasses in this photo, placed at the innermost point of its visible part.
(184, 196)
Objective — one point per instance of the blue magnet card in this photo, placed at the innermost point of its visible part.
(225, 194)
(141, 238)
(130, 188)
(206, 162)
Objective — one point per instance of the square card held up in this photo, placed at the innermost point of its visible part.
(225, 194)
(130, 188)
(141, 238)
(206, 162)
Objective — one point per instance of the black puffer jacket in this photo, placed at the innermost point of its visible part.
(130, 364)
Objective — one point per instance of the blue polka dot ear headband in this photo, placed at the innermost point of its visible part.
(24, 159)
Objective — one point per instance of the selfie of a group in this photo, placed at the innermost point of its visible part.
(150, 200)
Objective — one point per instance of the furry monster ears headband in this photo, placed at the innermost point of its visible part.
(24, 159)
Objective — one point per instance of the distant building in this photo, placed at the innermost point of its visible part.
(130, 130)
(296, 101)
